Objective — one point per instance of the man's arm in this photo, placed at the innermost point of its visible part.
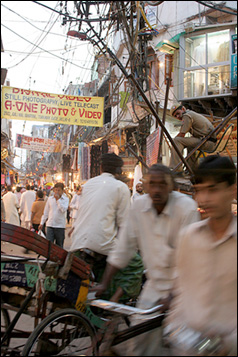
(109, 272)
(32, 216)
(45, 215)
(182, 135)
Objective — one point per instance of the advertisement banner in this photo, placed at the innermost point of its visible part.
(31, 105)
(37, 144)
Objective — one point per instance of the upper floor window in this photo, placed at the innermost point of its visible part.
(207, 64)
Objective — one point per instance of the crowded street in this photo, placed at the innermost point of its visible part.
(118, 178)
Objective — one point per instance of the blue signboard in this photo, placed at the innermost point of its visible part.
(234, 62)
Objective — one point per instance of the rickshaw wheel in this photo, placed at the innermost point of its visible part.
(65, 332)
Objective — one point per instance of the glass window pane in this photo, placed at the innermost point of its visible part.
(219, 80)
(195, 51)
(218, 46)
(194, 83)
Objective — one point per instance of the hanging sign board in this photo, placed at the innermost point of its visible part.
(52, 108)
(37, 144)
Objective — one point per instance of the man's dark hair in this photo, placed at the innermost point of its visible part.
(159, 168)
(59, 185)
(28, 187)
(78, 188)
(217, 168)
(32, 187)
(18, 189)
(111, 163)
(9, 188)
(40, 194)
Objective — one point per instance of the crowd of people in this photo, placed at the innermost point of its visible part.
(33, 208)
(190, 262)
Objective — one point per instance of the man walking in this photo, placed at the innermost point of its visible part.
(203, 315)
(74, 204)
(11, 205)
(104, 206)
(55, 214)
(152, 226)
(27, 199)
(195, 124)
(37, 211)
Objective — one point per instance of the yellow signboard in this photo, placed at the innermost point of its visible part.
(31, 105)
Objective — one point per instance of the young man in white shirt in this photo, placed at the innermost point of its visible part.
(55, 214)
(203, 315)
(152, 226)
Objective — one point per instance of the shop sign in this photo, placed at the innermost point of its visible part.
(37, 144)
(152, 147)
(129, 164)
(31, 105)
(234, 62)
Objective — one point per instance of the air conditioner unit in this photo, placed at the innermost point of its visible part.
(167, 47)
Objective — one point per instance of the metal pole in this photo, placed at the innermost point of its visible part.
(151, 107)
(127, 146)
(163, 119)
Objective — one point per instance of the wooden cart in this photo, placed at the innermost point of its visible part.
(37, 287)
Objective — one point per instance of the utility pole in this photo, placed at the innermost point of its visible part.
(144, 126)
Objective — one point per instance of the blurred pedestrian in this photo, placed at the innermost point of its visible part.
(37, 211)
(3, 212)
(203, 312)
(18, 194)
(55, 214)
(139, 191)
(152, 226)
(45, 195)
(26, 202)
(74, 204)
(68, 194)
(11, 205)
(103, 208)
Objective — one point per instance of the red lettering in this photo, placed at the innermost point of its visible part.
(34, 108)
(19, 106)
(81, 113)
(42, 108)
(8, 105)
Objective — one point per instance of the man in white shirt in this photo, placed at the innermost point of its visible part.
(152, 227)
(139, 191)
(204, 309)
(26, 202)
(11, 205)
(104, 206)
(74, 204)
(55, 214)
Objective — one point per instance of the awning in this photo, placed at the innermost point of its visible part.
(10, 166)
(169, 46)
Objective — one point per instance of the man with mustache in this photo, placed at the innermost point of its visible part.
(152, 226)
(203, 316)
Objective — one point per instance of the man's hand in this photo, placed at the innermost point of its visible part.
(70, 232)
(166, 303)
(99, 289)
(40, 227)
(56, 196)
